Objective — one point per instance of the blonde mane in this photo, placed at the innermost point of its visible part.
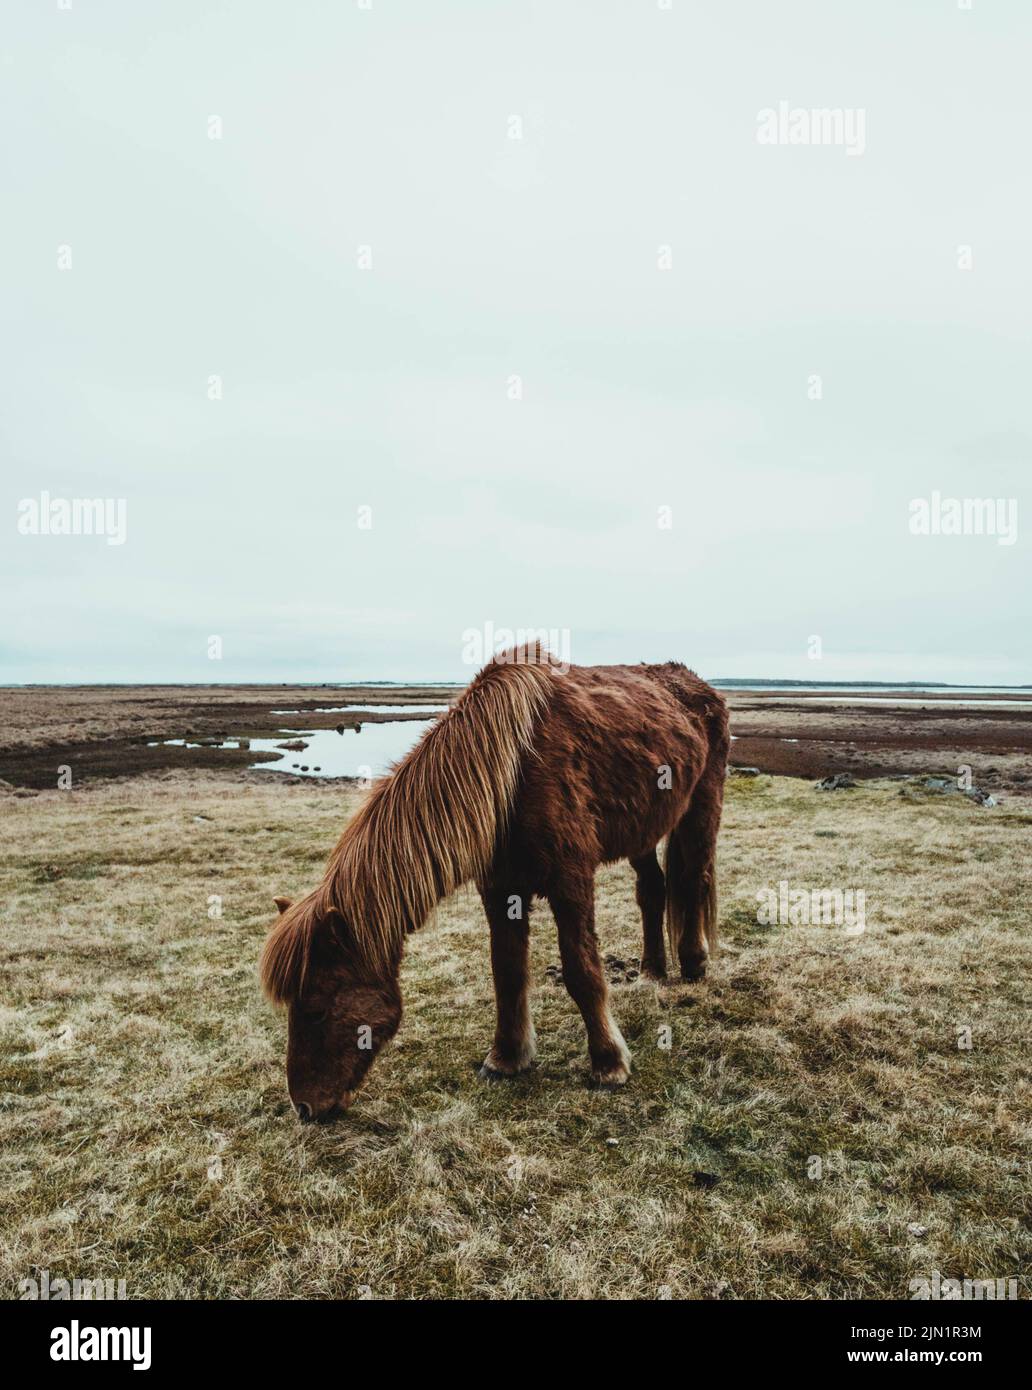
(426, 828)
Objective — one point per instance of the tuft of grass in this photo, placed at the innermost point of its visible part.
(787, 1126)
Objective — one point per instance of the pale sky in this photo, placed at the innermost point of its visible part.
(539, 258)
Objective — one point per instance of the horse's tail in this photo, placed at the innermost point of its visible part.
(691, 869)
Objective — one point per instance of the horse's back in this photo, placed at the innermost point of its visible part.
(616, 756)
(619, 699)
(698, 697)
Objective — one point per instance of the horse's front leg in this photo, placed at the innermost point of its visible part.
(574, 909)
(515, 1045)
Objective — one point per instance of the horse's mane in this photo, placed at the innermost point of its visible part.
(430, 825)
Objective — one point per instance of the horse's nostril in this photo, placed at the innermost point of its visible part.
(304, 1112)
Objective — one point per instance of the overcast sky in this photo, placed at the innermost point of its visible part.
(572, 194)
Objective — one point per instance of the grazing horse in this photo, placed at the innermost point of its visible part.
(537, 774)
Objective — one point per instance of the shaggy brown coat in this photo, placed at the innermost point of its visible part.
(537, 775)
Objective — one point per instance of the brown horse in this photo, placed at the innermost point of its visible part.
(537, 774)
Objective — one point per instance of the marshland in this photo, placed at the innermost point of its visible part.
(831, 1114)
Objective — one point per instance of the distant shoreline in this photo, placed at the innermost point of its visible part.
(792, 728)
(719, 682)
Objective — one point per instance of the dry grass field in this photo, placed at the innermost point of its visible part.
(146, 1132)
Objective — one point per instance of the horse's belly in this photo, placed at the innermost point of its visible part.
(617, 804)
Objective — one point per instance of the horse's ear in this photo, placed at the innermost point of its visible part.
(282, 903)
(336, 925)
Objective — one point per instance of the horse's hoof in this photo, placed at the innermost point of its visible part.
(487, 1073)
(494, 1070)
(612, 1078)
(609, 1081)
(694, 973)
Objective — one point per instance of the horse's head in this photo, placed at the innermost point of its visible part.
(340, 1012)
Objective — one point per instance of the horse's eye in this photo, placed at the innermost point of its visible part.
(318, 1017)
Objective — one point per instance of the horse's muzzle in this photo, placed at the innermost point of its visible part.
(325, 1117)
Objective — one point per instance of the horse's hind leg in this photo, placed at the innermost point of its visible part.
(574, 909)
(508, 912)
(691, 876)
(651, 895)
